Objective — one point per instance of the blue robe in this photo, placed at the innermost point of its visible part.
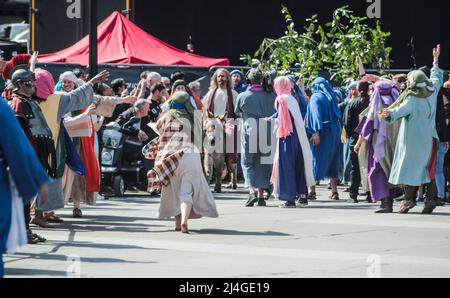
(298, 95)
(301, 100)
(241, 88)
(291, 167)
(323, 116)
(24, 167)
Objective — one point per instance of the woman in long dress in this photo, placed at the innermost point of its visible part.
(178, 170)
(84, 189)
(292, 170)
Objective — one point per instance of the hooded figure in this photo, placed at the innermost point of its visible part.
(195, 100)
(178, 170)
(377, 153)
(323, 126)
(414, 159)
(298, 95)
(292, 170)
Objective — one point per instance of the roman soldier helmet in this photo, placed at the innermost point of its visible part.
(21, 75)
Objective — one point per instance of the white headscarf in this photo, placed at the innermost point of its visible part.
(70, 76)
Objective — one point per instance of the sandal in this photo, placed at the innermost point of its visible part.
(77, 213)
(252, 200)
(312, 196)
(41, 223)
(335, 197)
(38, 238)
(53, 218)
(31, 239)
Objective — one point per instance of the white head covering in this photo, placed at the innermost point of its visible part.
(70, 76)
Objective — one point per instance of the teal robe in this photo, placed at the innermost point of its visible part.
(415, 138)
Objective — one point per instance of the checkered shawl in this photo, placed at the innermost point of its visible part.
(167, 150)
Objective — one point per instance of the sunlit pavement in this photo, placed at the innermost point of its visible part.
(124, 238)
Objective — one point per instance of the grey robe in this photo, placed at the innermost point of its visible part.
(256, 165)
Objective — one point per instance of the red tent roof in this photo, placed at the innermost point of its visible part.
(121, 41)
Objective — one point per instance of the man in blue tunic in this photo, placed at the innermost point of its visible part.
(18, 165)
(324, 129)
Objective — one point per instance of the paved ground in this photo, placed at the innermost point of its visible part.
(123, 238)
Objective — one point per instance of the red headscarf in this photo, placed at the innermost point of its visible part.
(45, 85)
(283, 88)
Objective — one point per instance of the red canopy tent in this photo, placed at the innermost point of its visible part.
(121, 41)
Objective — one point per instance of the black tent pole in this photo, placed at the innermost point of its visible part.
(93, 59)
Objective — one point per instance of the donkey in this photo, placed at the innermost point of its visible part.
(215, 154)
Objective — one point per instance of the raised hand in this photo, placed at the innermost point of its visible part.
(34, 61)
(100, 78)
(361, 69)
(437, 52)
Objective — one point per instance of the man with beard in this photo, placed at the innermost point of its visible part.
(157, 97)
(220, 101)
(237, 80)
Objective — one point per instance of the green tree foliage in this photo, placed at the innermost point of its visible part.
(333, 47)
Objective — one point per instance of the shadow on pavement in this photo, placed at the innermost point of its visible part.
(239, 233)
(346, 207)
(106, 223)
(36, 272)
(84, 244)
(57, 257)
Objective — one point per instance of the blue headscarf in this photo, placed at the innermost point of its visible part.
(351, 86)
(299, 96)
(339, 94)
(58, 87)
(241, 87)
(323, 87)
